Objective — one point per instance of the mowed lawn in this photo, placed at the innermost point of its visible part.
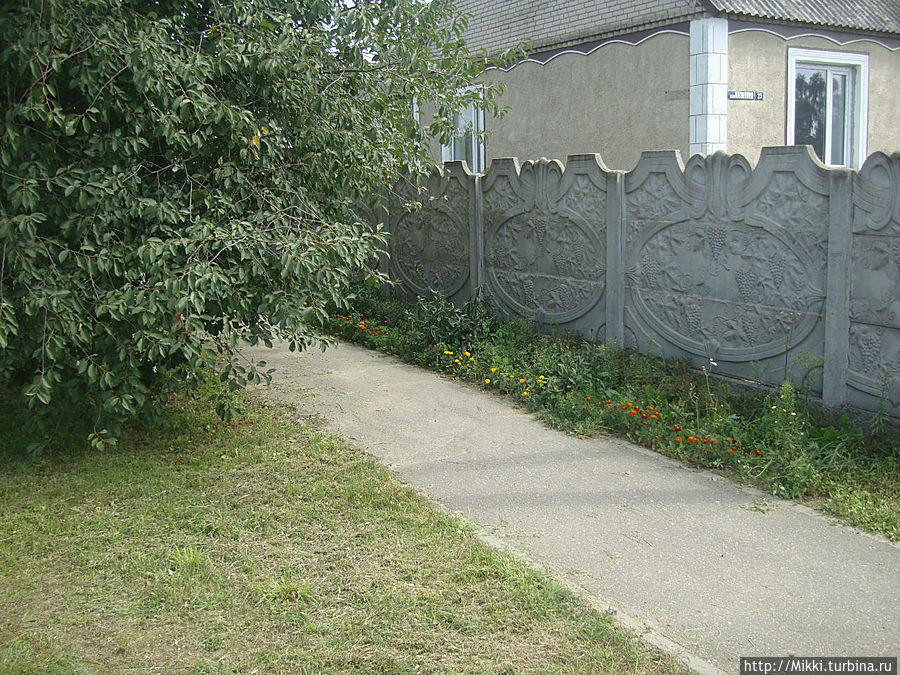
(262, 545)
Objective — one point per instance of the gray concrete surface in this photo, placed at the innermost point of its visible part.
(705, 568)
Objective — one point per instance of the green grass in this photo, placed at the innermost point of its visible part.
(261, 545)
(774, 439)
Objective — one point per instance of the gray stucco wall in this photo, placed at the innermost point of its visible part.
(764, 270)
(758, 60)
(617, 101)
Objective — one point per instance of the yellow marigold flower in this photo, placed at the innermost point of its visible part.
(448, 352)
(521, 380)
(494, 370)
(487, 380)
(525, 393)
(467, 353)
(540, 377)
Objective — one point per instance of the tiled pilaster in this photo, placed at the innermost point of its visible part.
(709, 86)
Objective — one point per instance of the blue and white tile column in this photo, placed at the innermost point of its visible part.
(709, 86)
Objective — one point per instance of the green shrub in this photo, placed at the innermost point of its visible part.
(177, 179)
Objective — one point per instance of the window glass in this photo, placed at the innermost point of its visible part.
(827, 104)
(839, 121)
(464, 143)
(810, 105)
(467, 144)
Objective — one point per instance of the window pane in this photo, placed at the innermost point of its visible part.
(463, 144)
(838, 118)
(463, 148)
(809, 109)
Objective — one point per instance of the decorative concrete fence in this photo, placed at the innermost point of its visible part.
(788, 270)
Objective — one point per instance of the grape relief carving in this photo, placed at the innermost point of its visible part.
(874, 360)
(584, 197)
(542, 257)
(655, 200)
(875, 280)
(789, 202)
(498, 197)
(799, 210)
(724, 289)
(734, 287)
(431, 245)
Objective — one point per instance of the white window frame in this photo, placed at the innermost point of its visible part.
(858, 64)
(447, 151)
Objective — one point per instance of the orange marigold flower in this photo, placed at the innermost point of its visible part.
(646, 424)
(588, 398)
(677, 428)
(632, 412)
(678, 438)
(643, 415)
(521, 380)
(732, 448)
(758, 451)
(730, 439)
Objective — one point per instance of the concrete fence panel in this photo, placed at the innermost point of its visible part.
(545, 241)
(434, 244)
(789, 270)
(873, 375)
(726, 264)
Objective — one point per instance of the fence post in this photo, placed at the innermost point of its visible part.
(476, 259)
(837, 289)
(615, 257)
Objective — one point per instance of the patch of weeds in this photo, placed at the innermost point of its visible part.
(189, 561)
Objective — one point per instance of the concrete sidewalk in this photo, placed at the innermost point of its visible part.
(704, 568)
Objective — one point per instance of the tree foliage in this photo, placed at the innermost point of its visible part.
(179, 178)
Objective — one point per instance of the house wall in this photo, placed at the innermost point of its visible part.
(758, 61)
(618, 100)
(632, 94)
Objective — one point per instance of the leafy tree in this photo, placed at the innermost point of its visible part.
(179, 178)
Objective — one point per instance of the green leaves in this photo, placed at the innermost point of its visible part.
(177, 179)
